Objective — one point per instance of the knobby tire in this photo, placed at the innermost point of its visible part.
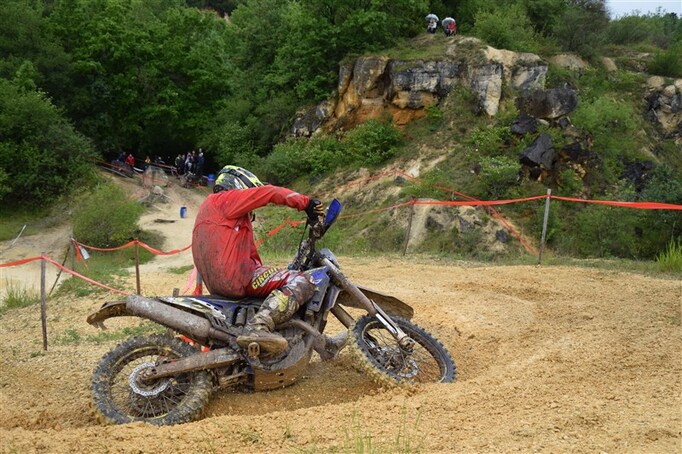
(379, 355)
(184, 396)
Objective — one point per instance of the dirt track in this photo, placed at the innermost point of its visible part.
(551, 359)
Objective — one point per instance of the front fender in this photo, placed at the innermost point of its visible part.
(390, 304)
(108, 310)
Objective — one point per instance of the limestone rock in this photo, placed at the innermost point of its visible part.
(570, 61)
(374, 86)
(609, 64)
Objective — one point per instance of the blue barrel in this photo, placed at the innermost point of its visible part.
(183, 211)
(210, 179)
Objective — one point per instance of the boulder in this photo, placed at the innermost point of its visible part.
(571, 62)
(309, 120)
(524, 124)
(548, 104)
(638, 173)
(540, 153)
(608, 64)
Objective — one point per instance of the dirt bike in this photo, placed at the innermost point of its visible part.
(168, 378)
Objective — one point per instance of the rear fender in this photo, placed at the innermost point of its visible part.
(390, 304)
(108, 310)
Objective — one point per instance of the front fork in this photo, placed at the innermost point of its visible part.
(373, 309)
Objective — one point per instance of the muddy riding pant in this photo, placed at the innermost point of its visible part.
(286, 291)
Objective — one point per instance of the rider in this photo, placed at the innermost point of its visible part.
(227, 260)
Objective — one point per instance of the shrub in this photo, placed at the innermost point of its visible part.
(286, 162)
(106, 218)
(373, 142)
(498, 174)
(506, 28)
(611, 123)
(659, 227)
(603, 231)
(667, 63)
(489, 141)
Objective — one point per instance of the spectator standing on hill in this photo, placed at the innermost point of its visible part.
(177, 164)
(130, 160)
(200, 164)
(449, 26)
(188, 162)
(432, 23)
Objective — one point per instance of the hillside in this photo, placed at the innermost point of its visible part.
(493, 124)
(554, 359)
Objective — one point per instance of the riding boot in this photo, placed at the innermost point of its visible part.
(328, 347)
(276, 308)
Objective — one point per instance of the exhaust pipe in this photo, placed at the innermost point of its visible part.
(194, 326)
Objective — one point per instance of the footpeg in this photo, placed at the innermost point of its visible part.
(253, 350)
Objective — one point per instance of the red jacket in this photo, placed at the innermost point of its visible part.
(222, 241)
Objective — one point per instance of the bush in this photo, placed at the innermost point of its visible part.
(611, 123)
(489, 141)
(506, 28)
(499, 174)
(372, 142)
(659, 227)
(106, 218)
(603, 231)
(667, 63)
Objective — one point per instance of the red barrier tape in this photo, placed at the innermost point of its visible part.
(19, 262)
(635, 205)
(42, 257)
(131, 243)
(83, 277)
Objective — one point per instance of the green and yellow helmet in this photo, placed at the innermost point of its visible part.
(234, 177)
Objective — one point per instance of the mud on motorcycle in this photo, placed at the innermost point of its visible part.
(162, 379)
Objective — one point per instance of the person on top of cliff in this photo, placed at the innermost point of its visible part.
(449, 26)
(431, 23)
(227, 260)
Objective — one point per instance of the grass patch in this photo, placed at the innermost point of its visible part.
(72, 336)
(110, 268)
(14, 220)
(17, 297)
(671, 258)
(180, 269)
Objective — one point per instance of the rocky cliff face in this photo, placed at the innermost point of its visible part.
(370, 87)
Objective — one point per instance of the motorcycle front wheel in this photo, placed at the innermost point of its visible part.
(121, 396)
(380, 356)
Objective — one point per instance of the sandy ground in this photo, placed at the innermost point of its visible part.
(550, 359)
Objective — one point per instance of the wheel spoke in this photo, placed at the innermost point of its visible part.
(420, 365)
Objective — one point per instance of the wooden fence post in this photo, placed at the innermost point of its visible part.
(137, 265)
(409, 225)
(43, 303)
(544, 226)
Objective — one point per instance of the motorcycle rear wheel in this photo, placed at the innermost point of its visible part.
(120, 398)
(380, 356)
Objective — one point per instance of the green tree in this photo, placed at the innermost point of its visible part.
(147, 74)
(41, 155)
